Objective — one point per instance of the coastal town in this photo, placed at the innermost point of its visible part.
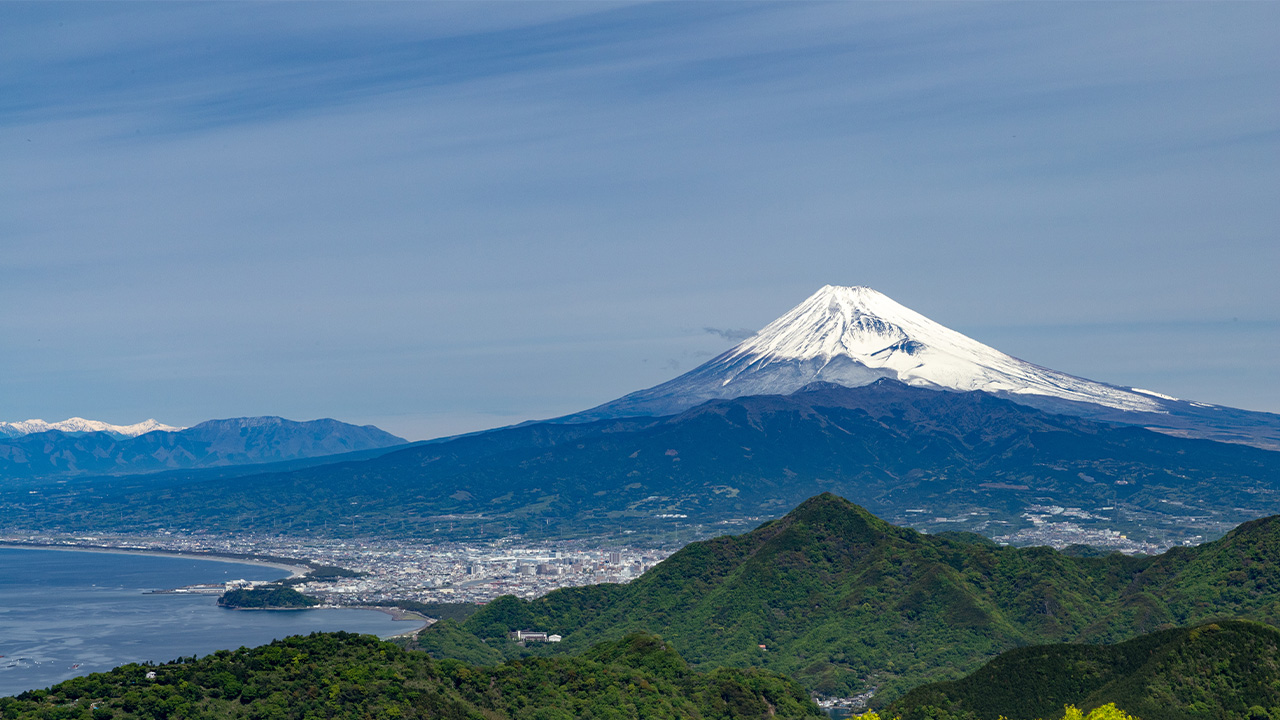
(456, 573)
(381, 571)
(384, 571)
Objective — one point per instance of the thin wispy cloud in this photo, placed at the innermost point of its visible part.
(309, 212)
(733, 334)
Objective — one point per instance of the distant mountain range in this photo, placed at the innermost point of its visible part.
(80, 425)
(846, 602)
(853, 336)
(77, 447)
(849, 392)
(941, 460)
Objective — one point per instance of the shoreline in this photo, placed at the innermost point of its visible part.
(295, 571)
(398, 614)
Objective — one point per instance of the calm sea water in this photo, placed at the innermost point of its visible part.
(59, 609)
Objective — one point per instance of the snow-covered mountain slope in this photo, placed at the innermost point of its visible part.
(58, 452)
(80, 425)
(853, 336)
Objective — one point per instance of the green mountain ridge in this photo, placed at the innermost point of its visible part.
(355, 677)
(846, 602)
(1225, 671)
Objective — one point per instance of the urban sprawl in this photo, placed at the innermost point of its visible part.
(390, 570)
(477, 572)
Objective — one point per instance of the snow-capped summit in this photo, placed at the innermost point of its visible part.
(853, 336)
(80, 425)
(837, 324)
(855, 321)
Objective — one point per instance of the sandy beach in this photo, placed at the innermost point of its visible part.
(293, 570)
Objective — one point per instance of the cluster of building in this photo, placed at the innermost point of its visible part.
(211, 588)
(1047, 528)
(455, 572)
(524, 636)
(473, 573)
(388, 570)
(845, 706)
(1060, 526)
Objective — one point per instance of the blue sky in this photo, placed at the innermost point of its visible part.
(439, 217)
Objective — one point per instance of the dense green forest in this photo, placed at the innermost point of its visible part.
(845, 602)
(448, 640)
(357, 677)
(829, 595)
(1070, 712)
(266, 597)
(1228, 669)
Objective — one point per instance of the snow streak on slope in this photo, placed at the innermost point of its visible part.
(80, 425)
(853, 336)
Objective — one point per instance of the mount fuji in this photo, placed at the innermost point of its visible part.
(854, 336)
(849, 393)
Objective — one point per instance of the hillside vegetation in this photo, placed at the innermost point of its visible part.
(1229, 669)
(358, 677)
(1070, 712)
(266, 597)
(846, 602)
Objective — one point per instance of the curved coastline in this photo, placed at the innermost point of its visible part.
(72, 614)
(397, 614)
(298, 570)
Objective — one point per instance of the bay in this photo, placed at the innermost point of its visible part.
(61, 609)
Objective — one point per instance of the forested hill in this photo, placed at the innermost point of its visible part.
(353, 677)
(1229, 669)
(266, 597)
(846, 602)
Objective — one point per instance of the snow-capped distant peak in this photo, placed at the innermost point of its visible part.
(81, 425)
(853, 336)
